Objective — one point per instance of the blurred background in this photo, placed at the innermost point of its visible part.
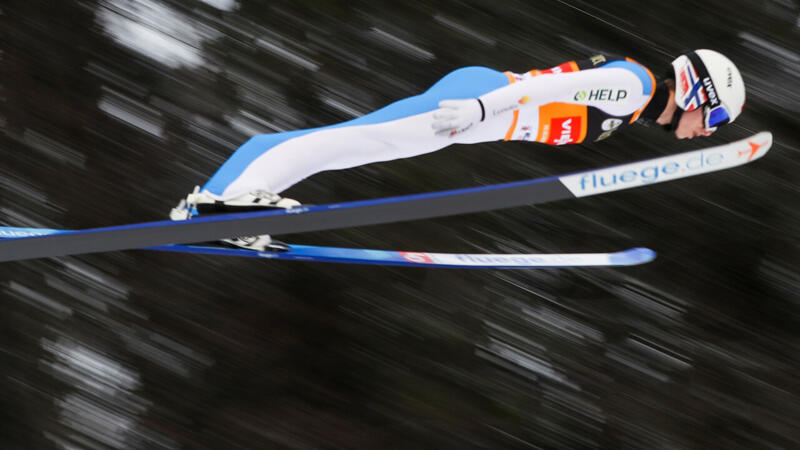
(112, 110)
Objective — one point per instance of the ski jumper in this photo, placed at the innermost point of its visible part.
(574, 102)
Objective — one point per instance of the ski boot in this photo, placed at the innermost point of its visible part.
(200, 203)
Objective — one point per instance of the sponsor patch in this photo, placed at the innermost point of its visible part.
(601, 95)
(570, 66)
(598, 59)
(604, 135)
(710, 91)
(416, 257)
(527, 135)
(562, 123)
(610, 124)
(565, 130)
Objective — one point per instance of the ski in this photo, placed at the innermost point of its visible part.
(296, 252)
(391, 209)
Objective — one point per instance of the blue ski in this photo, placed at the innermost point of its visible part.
(392, 209)
(295, 252)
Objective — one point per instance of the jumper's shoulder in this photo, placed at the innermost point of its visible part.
(599, 60)
(608, 61)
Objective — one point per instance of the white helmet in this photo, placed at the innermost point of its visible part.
(706, 77)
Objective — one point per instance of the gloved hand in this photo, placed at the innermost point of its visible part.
(457, 116)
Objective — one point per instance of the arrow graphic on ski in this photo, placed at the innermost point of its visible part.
(392, 209)
(754, 148)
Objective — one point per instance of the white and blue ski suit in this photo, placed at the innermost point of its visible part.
(570, 103)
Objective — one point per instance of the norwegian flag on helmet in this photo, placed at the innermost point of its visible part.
(691, 87)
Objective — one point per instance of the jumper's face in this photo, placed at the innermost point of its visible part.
(691, 125)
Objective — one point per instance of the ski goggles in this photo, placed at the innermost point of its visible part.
(715, 117)
(715, 114)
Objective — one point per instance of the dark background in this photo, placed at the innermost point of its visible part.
(113, 110)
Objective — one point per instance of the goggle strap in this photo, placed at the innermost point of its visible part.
(675, 118)
(702, 75)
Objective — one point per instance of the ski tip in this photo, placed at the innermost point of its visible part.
(633, 256)
(757, 146)
(764, 136)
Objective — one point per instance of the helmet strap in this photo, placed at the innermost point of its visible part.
(676, 117)
(657, 103)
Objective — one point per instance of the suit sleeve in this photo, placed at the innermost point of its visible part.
(614, 90)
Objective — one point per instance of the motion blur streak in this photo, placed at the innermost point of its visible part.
(112, 110)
